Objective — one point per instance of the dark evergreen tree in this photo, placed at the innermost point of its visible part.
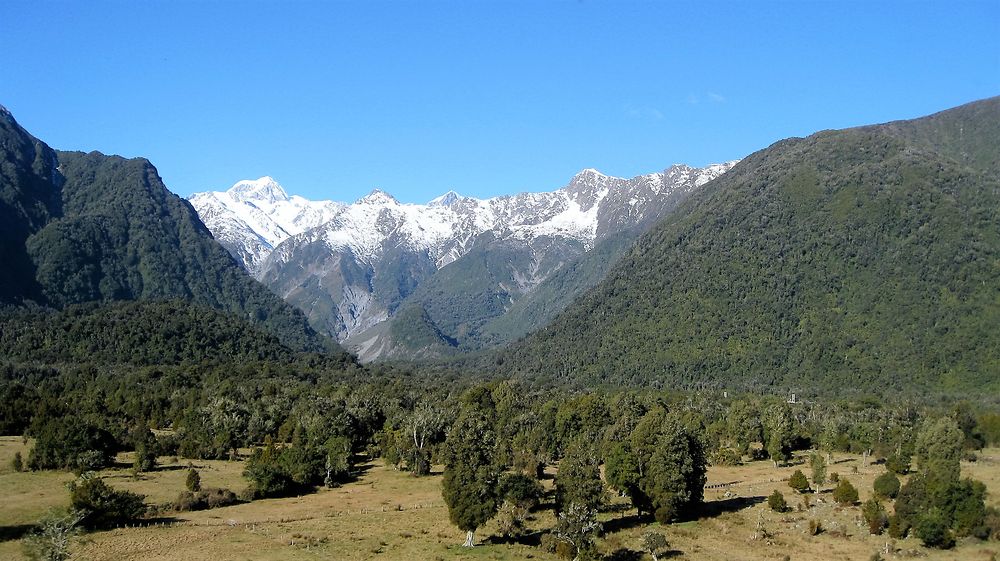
(470, 476)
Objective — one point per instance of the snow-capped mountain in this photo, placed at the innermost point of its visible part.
(349, 267)
(254, 216)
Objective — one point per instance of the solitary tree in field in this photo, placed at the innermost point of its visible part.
(50, 542)
(655, 544)
(470, 476)
(798, 481)
(193, 480)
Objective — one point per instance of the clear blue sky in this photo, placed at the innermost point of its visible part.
(333, 99)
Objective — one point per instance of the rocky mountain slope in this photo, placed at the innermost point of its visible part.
(463, 261)
(846, 260)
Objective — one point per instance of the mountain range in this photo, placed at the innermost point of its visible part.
(850, 260)
(451, 269)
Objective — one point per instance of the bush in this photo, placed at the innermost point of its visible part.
(992, 522)
(845, 493)
(798, 481)
(728, 457)
(815, 527)
(897, 463)
(206, 499)
(933, 531)
(17, 464)
(193, 481)
(104, 506)
(834, 477)
(886, 485)
(521, 490)
(875, 516)
(69, 444)
(777, 501)
(898, 528)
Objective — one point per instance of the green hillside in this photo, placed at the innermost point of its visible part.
(93, 228)
(849, 259)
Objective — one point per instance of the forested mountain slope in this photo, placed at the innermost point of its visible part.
(849, 259)
(93, 228)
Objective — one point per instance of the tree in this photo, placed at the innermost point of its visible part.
(623, 473)
(66, 443)
(845, 493)
(193, 481)
(798, 481)
(655, 544)
(939, 448)
(818, 465)
(778, 432)
(104, 506)
(17, 464)
(579, 479)
(577, 526)
(470, 476)
(51, 539)
(423, 426)
(886, 486)
(144, 444)
(671, 463)
(932, 529)
(743, 425)
(875, 516)
(776, 501)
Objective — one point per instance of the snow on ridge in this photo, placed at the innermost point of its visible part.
(445, 227)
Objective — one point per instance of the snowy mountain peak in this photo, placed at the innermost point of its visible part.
(448, 199)
(588, 174)
(265, 189)
(377, 197)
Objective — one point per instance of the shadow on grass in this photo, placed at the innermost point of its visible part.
(712, 509)
(626, 522)
(533, 539)
(16, 532)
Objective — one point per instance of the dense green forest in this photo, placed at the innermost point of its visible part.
(88, 227)
(855, 260)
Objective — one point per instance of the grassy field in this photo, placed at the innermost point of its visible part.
(386, 514)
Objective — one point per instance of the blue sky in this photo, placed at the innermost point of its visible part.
(486, 98)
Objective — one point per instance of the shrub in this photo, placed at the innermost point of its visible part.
(992, 522)
(216, 498)
(777, 501)
(933, 531)
(521, 490)
(898, 528)
(815, 527)
(875, 516)
(17, 463)
(69, 444)
(818, 464)
(52, 538)
(845, 493)
(897, 463)
(728, 457)
(206, 499)
(193, 481)
(886, 485)
(103, 505)
(834, 477)
(798, 481)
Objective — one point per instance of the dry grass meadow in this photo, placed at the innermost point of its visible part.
(386, 514)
